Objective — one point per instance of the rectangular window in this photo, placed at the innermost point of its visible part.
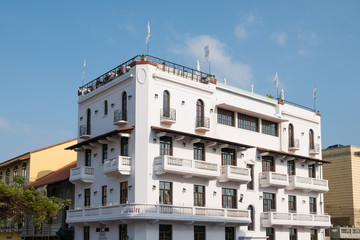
(104, 195)
(199, 151)
(291, 167)
(250, 185)
(228, 156)
(87, 233)
(269, 128)
(124, 148)
(165, 193)
(292, 234)
(248, 123)
(123, 192)
(166, 146)
(312, 205)
(268, 164)
(229, 198)
(229, 233)
(104, 152)
(199, 196)
(270, 234)
(88, 157)
(199, 232)
(312, 171)
(225, 117)
(123, 232)
(269, 202)
(87, 197)
(292, 204)
(313, 234)
(165, 232)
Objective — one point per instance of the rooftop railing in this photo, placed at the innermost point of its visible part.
(298, 105)
(126, 66)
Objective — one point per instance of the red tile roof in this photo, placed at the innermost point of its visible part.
(56, 176)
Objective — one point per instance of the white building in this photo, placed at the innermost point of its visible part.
(165, 152)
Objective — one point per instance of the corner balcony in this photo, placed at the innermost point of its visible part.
(271, 219)
(202, 125)
(80, 175)
(294, 145)
(84, 132)
(315, 149)
(345, 233)
(118, 166)
(187, 168)
(273, 179)
(154, 213)
(231, 173)
(120, 117)
(168, 116)
(307, 184)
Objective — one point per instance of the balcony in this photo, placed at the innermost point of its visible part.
(168, 116)
(46, 230)
(314, 149)
(157, 212)
(294, 145)
(270, 219)
(80, 175)
(120, 117)
(235, 174)
(118, 166)
(345, 233)
(10, 227)
(273, 179)
(187, 168)
(308, 184)
(85, 132)
(202, 125)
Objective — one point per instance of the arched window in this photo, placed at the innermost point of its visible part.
(311, 139)
(7, 176)
(88, 122)
(124, 106)
(291, 136)
(166, 104)
(105, 107)
(251, 226)
(200, 113)
(24, 170)
(15, 171)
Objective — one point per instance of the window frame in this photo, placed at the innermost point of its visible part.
(269, 128)
(106, 108)
(312, 170)
(229, 200)
(268, 164)
(124, 146)
(250, 185)
(87, 158)
(88, 121)
(199, 151)
(200, 118)
(292, 203)
(86, 232)
(291, 137)
(166, 146)
(248, 122)
(104, 152)
(165, 232)
(269, 202)
(311, 140)
(166, 103)
(123, 232)
(251, 226)
(312, 205)
(291, 168)
(225, 117)
(292, 233)
(124, 192)
(199, 196)
(165, 193)
(270, 233)
(229, 233)
(124, 106)
(228, 157)
(87, 197)
(104, 195)
(199, 232)
(313, 234)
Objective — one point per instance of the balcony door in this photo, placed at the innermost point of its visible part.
(166, 104)
(199, 113)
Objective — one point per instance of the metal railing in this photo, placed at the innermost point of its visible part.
(298, 105)
(84, 130)
(202, 122)
(295, 143)
(120, 115)
(168, 114)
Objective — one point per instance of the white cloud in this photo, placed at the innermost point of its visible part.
(309, 38)
(241, 31)
(4, 124)
(222, 64)
(279, 37)
(303, 53)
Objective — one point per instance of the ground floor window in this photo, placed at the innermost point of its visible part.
(165, 232)
(87, 233)
(270, 233)
(292, 234)
(313, 234)
(229, 233)
(123, 232)
(199, 232)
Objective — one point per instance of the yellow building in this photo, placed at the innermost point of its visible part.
(342, 202)
(32, 166)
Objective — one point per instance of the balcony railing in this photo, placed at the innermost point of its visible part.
(308, 184)
(202, 125)
(167, 116)
(85, 132)
(273, 179)
(270, 219)
(46, 230)
(120, 117)
(186, 167)
(235, 174)
(10, 227)
(120, 165)
(294, 145)
(345, 233)
(156, 212)
(314, 149)
(82, 174)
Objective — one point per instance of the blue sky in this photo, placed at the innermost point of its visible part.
(43, 44)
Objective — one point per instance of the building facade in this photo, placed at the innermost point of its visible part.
(166, 152)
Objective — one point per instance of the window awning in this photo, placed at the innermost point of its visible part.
(102, 136)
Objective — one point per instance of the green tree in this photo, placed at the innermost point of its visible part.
(21, 204)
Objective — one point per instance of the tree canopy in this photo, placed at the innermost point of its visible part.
(20, 204)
